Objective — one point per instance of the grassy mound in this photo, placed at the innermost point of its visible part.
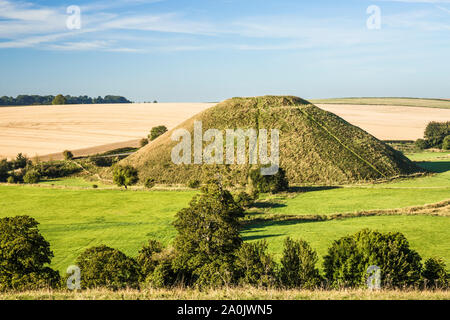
(316, 147)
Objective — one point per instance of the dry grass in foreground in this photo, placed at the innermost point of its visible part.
(228, 294)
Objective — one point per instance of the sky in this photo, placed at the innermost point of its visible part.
(211, 50)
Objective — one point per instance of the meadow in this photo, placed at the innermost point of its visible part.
(75, 216)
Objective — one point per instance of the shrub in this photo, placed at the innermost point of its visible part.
(68, 155)
(208, 236)
(4, 169)
(244, 200)
(94, 186)
(125, 176)
(56, 169)
(149, 183)
(156, 132)
(24, 254)
(298, 265)
(103, 161)
(435, 274)
(446, 143)
(147, 257)
(273, 184)
(11, 179)
(107, 267)
(162, 276)
(194, 184)
(143, 142)
(421, 144)
(435, 133)
(348, 259)
(32, 176)
(254, 266)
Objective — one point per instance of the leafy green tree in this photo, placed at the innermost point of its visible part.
(421, 144)
(446, 143)
(147, 258)
(24, 256)
(435, 274)
(156, 132)
(208, 236)
(21, 162)
(348, 259)
(125, 176)
(254, 266)
(298, 265)
(105, 267)
(59, 99)
(143, 142)
(68, 155)
(32, 176)
(244, 199)
(273, 184)
(435, 133)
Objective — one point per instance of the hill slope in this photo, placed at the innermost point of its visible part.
(316, 147)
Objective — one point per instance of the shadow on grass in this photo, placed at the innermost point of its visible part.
(435, 166)
(268, 205)
(311, 189)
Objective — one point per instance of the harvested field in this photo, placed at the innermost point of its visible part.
(89, 129)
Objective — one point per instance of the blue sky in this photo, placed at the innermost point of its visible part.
(210, 50)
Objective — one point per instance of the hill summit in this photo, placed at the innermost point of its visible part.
(315, 146)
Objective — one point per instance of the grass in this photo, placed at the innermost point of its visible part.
(72, 220)
(407, 102)
(228, 294)
(426, 234)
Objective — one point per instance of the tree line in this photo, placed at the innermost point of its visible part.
(28, 100)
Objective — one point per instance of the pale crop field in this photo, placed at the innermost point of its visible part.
(88, 129)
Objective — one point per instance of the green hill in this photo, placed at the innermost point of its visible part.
(316, 147)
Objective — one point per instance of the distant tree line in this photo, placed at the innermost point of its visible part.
(28, 100)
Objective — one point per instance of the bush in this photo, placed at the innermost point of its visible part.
(108, 268)
(11, 179)
(208, 237)
(162, 276)
(56, 169)
(125, 176)
(32, 176)
(103, 161)
(156, 132)
(4, 169)
(194, 184)
(298, 265)
(143, 142)
(446, 143)
(94, 186)
(149, 183)
(68, 155)
(421, 144)
(273, 184)
(435, 274)
(254, 266)
(435, 133)
(24, 254)
(147, 257)
(348, 259)
(244, 200)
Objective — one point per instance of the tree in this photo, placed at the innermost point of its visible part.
(147, 257)
(4, 169)
(21, 161)
(254, 266)
(68, 155)
(125, 176)
(349, 258)
(435, 133)
(156, 132)
(273, 184)
(143, 142)
(446, 143)
(32, 176)
(421, 144)
(435, 274)
(24, 256)
(208, 236)
(298, 265)
(106, 267)
(59, 99)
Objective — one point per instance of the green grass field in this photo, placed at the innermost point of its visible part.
(407, 102)
(75, 216)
